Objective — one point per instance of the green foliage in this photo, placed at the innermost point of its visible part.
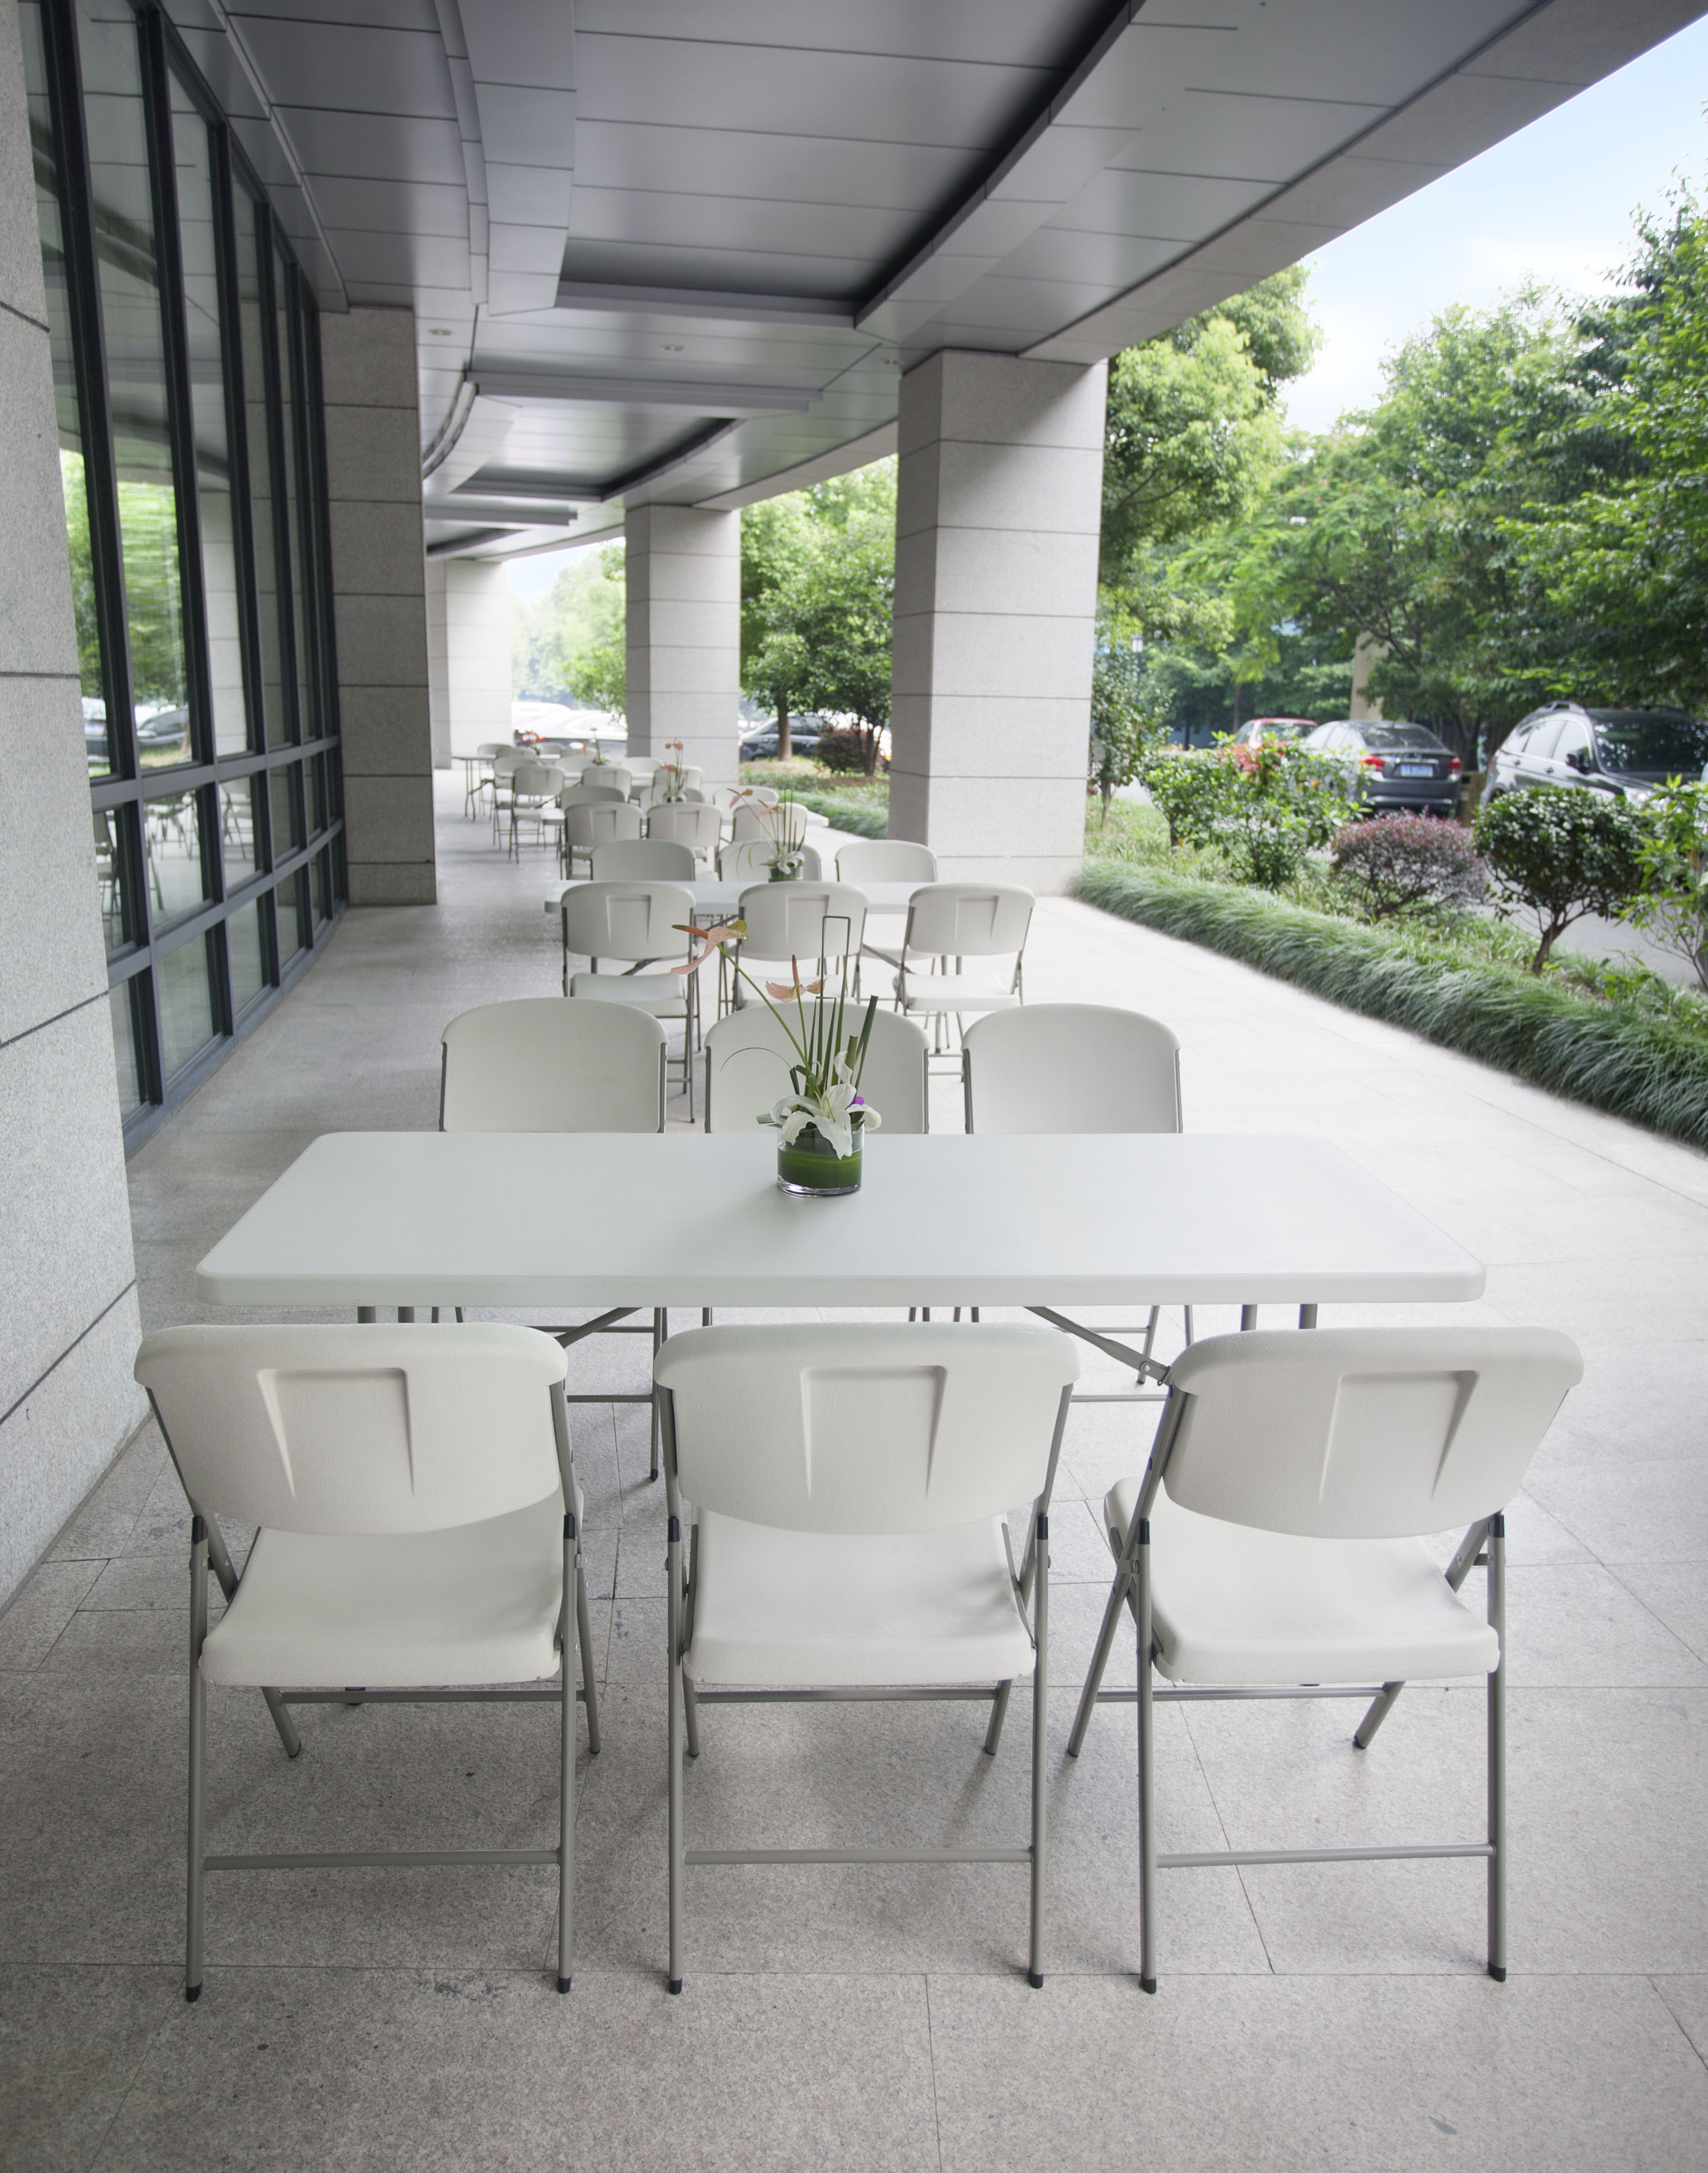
(1651, 1069)
(861, 817)
(571, 640)
(1400, 863)
(1673, 858)
(1264, 808)
(1559, 853)
(1124, 726)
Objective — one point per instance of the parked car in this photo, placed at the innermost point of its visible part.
(760, 746)
(1273, 728)
(1624, 751)
(1401, 767)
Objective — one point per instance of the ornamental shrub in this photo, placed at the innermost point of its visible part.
(1557, 853)
(1673, 852)
(842, 750)
(1408, 863)
(1264, 807)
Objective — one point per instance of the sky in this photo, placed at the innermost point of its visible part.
(1553, 203)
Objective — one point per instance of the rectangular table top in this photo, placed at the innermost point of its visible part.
(605, 1219)
(882, 898)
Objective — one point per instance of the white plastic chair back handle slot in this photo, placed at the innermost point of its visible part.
(1363, 1433)
(865, 1430)
(358, 1431)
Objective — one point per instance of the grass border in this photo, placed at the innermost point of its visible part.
(847, 813)
(1649, 1070)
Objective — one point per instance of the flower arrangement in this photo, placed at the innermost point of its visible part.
(783, 824)
(820, 1123)
(668, 776)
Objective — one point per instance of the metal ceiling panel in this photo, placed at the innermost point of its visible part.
(713, 220)
(376, 146)
(783, 164)
(376, 15)
(655, 266)
(1017, 33)
(391, 205)
(345, 68)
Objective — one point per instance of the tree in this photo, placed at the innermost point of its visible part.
(571, 639)
(1672, 855)
(779, 543)
(1558, 853)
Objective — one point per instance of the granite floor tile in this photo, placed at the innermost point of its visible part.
(1675, 1594)
(1687, 1999)
(106, 1521)
(71, 2043)
(40, 1608)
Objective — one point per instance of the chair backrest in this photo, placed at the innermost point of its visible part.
(628, 920)
(803, 920)
(548, 1063)
(693, 779)
(885, 860)
(640, 767)
(591, 796)
(750, 821)
(968, 920)
(358, 1430)
(700, 827)
(897, 1428)
(508, 758)
(752, 856)
(535, 780)
(603, 823)
(654, 859)
(1363, 1433)
(748, 1056)
(1070, 1068)
(608, 773)
(488, 748)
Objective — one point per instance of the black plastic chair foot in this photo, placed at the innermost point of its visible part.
(1498, 1972)
(192, 1991)
(673, 1984)
(1147, 1984)
(562, 1984)
(1035, 1980)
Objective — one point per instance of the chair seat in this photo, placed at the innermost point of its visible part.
(477, 1604)
(953, 992)
(793, 1609)
(664, 995)
(1230, 1605)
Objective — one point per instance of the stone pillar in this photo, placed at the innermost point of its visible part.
(379, 603)
(999, 506)
(684, 591)
(468, 617)
(67, 1276)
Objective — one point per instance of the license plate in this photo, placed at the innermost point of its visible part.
(1417, 769)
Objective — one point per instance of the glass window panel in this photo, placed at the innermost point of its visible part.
(172, 837)
(73, 479)
(317, 794)
(109, 875)
(131, 303)
(293, 920)
(122, 1004)
(238, 841)
(323, 886)
(298, 535)
(256, 325)
(197, 233)
(287, 823)
(187, 1005)
(246, 953)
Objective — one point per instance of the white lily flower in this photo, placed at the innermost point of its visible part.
(831, 1115)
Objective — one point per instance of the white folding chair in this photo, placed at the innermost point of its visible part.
(419, 1535)
(802, 921)
(651, 859)
(505, 764)
(748, 1056)
(548, 1063)
(687, 823)
(960, 921)
(753, 858)
(534, 789)
(845, 1489)
(634, 924)
(748, 821)
(604, 823)
(480, 782)
(1274, 1545)
(616, 777)
(885, 860)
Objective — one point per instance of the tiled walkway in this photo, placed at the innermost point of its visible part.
(1333, 2017)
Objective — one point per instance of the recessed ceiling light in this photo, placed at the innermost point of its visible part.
(440, 332)
(672, 346)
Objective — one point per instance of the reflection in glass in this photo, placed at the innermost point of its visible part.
(293, 919)
(298, 535)
(197, 232)
(122, 1004)
(317, 794)
(256, 323)
(246, 955)
(110, 877)
(323, 886)
(187, 1005)
(73, 480)
(172, 839)
(237, 838)
(286, 824)
(131, 301)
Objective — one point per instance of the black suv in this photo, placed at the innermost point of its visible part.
(1624, 751)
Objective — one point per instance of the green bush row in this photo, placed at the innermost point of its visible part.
(860, 818)
(1649, 1069)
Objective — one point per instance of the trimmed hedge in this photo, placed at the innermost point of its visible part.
(854, 816)
(1650, 1070)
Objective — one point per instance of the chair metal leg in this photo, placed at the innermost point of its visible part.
(1386, 1700)
(999, 1713)
(691, 1717)
(1040, 1716)
(1497, 1754)
(282, 1721)
(575, 1621)
(1187, 1312)
(1099, 1658)
(584, 1635)
(1249, 1319)
(673, 1575)
(1147, 1775)
(196, 1845)
(660, 1336)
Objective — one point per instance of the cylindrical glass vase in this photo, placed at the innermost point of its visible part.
(811, 1166)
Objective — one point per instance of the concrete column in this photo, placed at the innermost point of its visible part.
(684, 591)
(468, 625)
(68, 1278)
(999, 505)
(379, 590)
